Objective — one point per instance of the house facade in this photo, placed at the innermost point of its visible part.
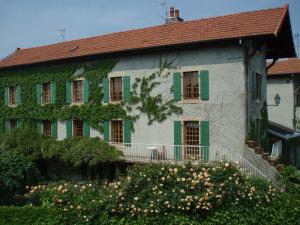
(175, 91)
(284, 80)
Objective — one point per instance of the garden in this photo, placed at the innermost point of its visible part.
(172, 193)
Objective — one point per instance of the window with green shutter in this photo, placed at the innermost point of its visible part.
(6, 96)
(126, 88)
(18, 95)
(105, 126)
(86, 91)
(68, 92)
(204, 84)
(39, 127)
(105, 90)
(205, 140)
(54, 129)
(127, 131)
(86, 129)
(177, 86)
(38, 93)
(69, 128)
(53, 92)
(6, 125)
(177, 140)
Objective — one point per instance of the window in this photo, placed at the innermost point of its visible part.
(117, 131)
(77, 128)
(116, 88)
(46, 96)
(191, 139)
(12, 95)
(47, 127)
(12, 124)
(77, 91)
(257, 86)
(191, 85)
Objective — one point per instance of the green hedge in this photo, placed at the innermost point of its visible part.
(10, 215)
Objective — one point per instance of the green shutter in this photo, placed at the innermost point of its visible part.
(6, 125)
(68, 92)
(126, 88)
(253, 86)
(177, 140)
(105, 126)
(177, 86)
(86, 129)
(6, 96)
(105, 90)
(19, 124)
(86, 91)
(54, 129)
(205, 140)
(69, 128)
(127, 131)
(38, 93)
(18, 94)
(39, 127)
(204, 83)
(53, 91)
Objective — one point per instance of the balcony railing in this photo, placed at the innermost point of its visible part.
(158, 153)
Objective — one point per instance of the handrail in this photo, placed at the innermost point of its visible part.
(157, 153)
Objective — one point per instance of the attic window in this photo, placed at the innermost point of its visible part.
(74, 48)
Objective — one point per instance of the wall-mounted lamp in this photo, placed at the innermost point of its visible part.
(277, 99)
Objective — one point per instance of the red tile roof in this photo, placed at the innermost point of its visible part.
(290, 66)
(248, 24)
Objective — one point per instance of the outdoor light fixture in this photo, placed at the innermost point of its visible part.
(276, 100)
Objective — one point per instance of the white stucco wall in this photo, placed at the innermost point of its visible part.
(284, 112)
(225, 109)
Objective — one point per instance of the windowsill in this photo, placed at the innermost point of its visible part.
(12, 106)
(190, 101)
(43, 104)
(77, 103)
(115, 101)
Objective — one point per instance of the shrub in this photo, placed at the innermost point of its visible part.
(16, 171)
(291, 180)
(28, 216)
(77, 203)
(83, 150)
(187, 188)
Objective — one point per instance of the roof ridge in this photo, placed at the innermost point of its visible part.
(144, 28)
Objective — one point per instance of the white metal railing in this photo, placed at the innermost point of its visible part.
(158, 153)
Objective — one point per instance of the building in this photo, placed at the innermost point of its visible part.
(284, 80)
(187, 84)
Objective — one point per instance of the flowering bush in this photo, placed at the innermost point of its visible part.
(79, 202)
(170, 188)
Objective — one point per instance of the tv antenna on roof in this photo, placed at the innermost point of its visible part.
(62, 33)
(165, 9)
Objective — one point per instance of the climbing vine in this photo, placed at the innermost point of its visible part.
(155, 106)
(29, 111)
(142, 98)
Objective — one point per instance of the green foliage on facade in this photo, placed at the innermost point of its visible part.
(153, 105)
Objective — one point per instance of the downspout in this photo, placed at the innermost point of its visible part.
(247, 57)
(246, 49)
(272, 64)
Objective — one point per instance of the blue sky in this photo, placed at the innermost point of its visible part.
(29, 23)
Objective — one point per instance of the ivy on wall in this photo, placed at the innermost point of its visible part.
(154, 106)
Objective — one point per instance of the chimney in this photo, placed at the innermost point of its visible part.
(171, 11)
(174, 16)
(177, 13)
